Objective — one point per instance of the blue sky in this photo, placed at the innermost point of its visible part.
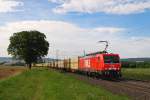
(131, 19)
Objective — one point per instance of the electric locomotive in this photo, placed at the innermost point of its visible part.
(101, 63)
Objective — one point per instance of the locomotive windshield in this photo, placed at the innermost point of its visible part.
(111, 59)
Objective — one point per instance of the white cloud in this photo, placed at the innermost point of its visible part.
(9, 5)
(105, 6)
(110, 30)
(71, 40)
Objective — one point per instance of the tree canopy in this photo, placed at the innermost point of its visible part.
(28, 46)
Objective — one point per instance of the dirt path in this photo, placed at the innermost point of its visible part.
(10, 71)
(137, 90)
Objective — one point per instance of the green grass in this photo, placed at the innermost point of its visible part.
(42, 84)
(136, 73)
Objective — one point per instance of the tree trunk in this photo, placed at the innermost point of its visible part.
(30, 65)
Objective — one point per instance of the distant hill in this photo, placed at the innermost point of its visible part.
(48, 59)
(6, 59)
(10, 61)
(136, 59)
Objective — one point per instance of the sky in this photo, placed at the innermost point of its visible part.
(74, 26)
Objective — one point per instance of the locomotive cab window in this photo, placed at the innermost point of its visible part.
(111, 59)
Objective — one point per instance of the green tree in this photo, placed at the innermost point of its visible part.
(28, 46)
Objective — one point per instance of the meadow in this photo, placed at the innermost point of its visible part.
(45, 84)
(136, 73)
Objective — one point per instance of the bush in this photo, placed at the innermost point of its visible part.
(128, 64)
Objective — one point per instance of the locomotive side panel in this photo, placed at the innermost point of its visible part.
(100, 62)
(93, 64)
(89, 64)
(84, 64)
(81, 64)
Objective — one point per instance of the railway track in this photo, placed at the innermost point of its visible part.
(135, 89)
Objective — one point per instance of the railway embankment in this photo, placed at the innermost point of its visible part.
(135, 89)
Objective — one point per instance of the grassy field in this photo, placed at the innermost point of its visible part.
(42, 84)
(136, 73)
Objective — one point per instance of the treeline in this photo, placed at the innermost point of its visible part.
(131, 64)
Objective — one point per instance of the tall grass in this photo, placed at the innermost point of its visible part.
(136, 73)
(41, 84)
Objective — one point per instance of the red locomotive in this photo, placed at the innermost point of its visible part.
(101, 63)
(106, 64)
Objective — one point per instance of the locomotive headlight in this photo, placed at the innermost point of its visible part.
(110, 68)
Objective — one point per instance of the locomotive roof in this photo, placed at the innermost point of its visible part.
(95, 53)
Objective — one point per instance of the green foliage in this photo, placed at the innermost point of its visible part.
(28, 45)
(136, 73)
(50, 85)
(131, 64)
(1, 63)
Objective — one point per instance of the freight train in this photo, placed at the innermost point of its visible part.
(94, 64)
(97, 64)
